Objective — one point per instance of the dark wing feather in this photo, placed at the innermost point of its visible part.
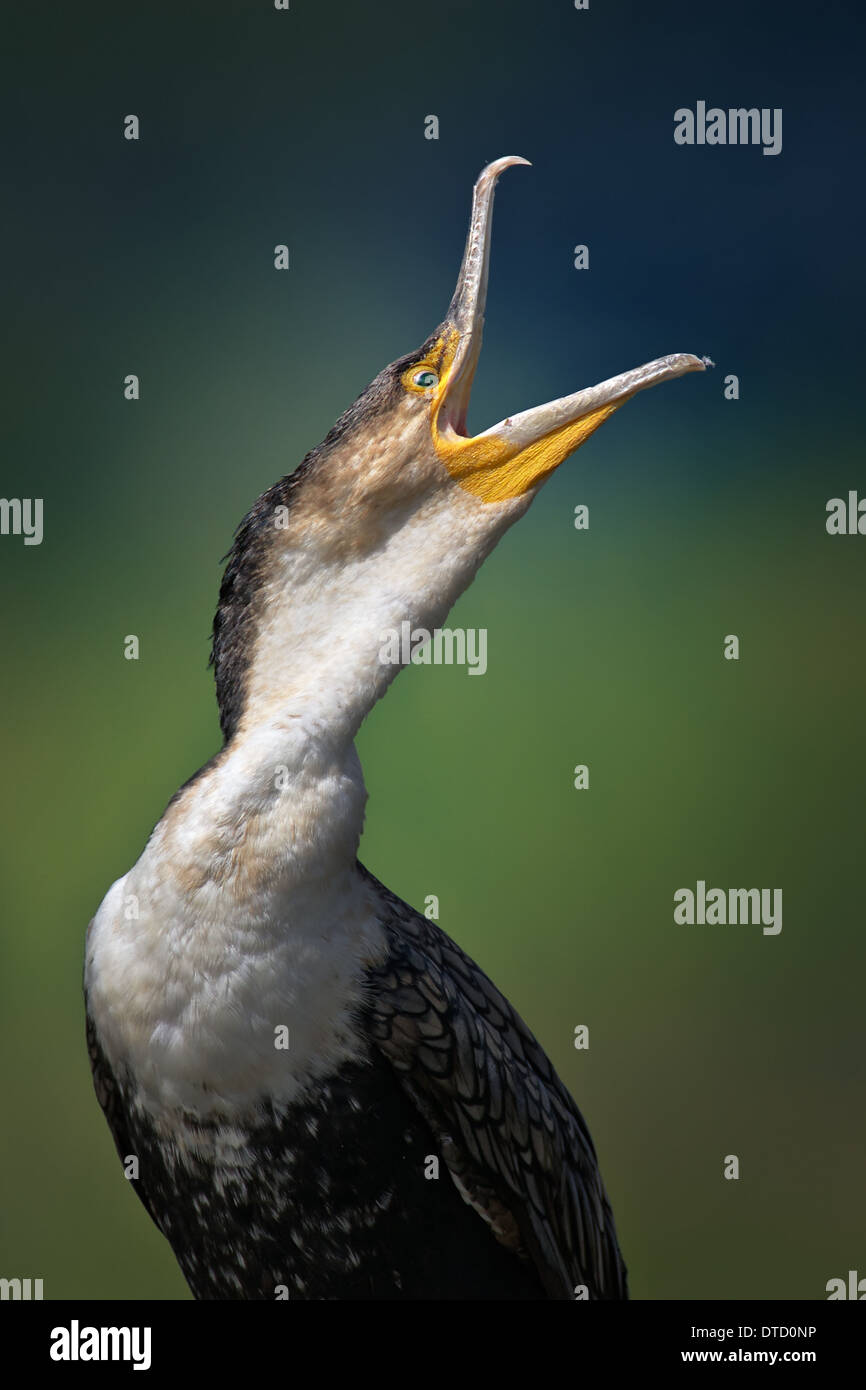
(511, 1134)
(114, 1108)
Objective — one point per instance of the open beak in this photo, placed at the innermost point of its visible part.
(516, 455)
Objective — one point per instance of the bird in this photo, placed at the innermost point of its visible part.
(314, 1091)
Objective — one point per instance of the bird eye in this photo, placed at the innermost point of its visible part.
(425, 378)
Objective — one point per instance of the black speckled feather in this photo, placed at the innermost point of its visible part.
(329, 1199)
(508, 1128)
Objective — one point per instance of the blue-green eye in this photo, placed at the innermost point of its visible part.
(425, 379)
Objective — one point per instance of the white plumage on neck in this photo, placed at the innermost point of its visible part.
(244, 915)
(325, 616)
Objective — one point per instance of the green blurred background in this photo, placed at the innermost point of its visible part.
(605, 647)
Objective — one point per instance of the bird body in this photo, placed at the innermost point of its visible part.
(315, 1184)
(325, 1096)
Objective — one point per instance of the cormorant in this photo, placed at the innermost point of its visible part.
(285, 1047)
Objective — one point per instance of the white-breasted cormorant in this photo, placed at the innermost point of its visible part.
(301, 1171)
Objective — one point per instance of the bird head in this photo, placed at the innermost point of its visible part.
(389, 518)
(513, 457)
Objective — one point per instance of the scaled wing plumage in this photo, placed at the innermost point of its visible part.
(510, 1133)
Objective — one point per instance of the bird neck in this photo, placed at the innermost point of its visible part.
(303, 648)
(315, 668)
(312, 646)
(285, 802)
(285, 799)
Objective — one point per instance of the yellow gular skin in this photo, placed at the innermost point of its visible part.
(490, 467)
(496, 472)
